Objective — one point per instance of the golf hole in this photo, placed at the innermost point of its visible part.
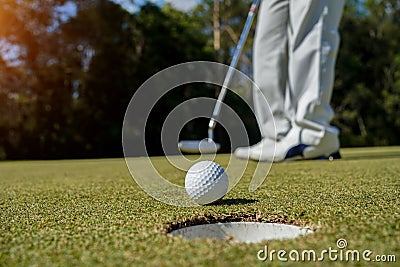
(242, 232)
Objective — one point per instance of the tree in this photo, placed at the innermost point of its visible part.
(26, 31)
(102, 63)
(366, 88)
(224, 21)
(68, 93)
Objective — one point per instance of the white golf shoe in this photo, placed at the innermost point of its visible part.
(246, 152)
(296, 145)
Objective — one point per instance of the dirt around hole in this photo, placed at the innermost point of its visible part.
(239, 217)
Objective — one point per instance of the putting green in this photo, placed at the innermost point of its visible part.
(91, 212)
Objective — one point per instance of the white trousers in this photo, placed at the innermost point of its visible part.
(295, 49)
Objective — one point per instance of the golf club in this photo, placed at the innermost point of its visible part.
(208, 145)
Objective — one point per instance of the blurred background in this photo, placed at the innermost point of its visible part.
(68, 70)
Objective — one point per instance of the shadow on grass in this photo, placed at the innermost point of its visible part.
(233, 201)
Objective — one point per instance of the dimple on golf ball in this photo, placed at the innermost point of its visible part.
(206, 182)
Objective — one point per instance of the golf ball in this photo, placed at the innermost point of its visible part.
(206, 182)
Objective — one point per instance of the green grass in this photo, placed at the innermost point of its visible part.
(91, 212)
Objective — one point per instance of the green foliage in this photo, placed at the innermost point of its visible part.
(72, 83)
(104, 47)
(31, 80)
(367, 84)
(391, 92)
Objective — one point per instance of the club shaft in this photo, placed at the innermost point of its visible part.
(232, 67)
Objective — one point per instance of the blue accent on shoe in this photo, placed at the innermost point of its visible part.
(296, 151)
(335, 155)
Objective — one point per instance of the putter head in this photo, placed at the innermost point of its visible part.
(206, 146)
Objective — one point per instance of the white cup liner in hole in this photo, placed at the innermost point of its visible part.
(242, 232)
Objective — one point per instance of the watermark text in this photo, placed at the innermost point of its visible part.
(338, 253)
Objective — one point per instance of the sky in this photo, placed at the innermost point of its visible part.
(184, 5)
(69, 8)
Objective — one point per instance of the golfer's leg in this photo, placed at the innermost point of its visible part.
(270, 67)
(314, 42)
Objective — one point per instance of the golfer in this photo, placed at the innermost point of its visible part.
(295, 49)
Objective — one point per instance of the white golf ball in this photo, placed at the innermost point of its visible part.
(206, 182)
